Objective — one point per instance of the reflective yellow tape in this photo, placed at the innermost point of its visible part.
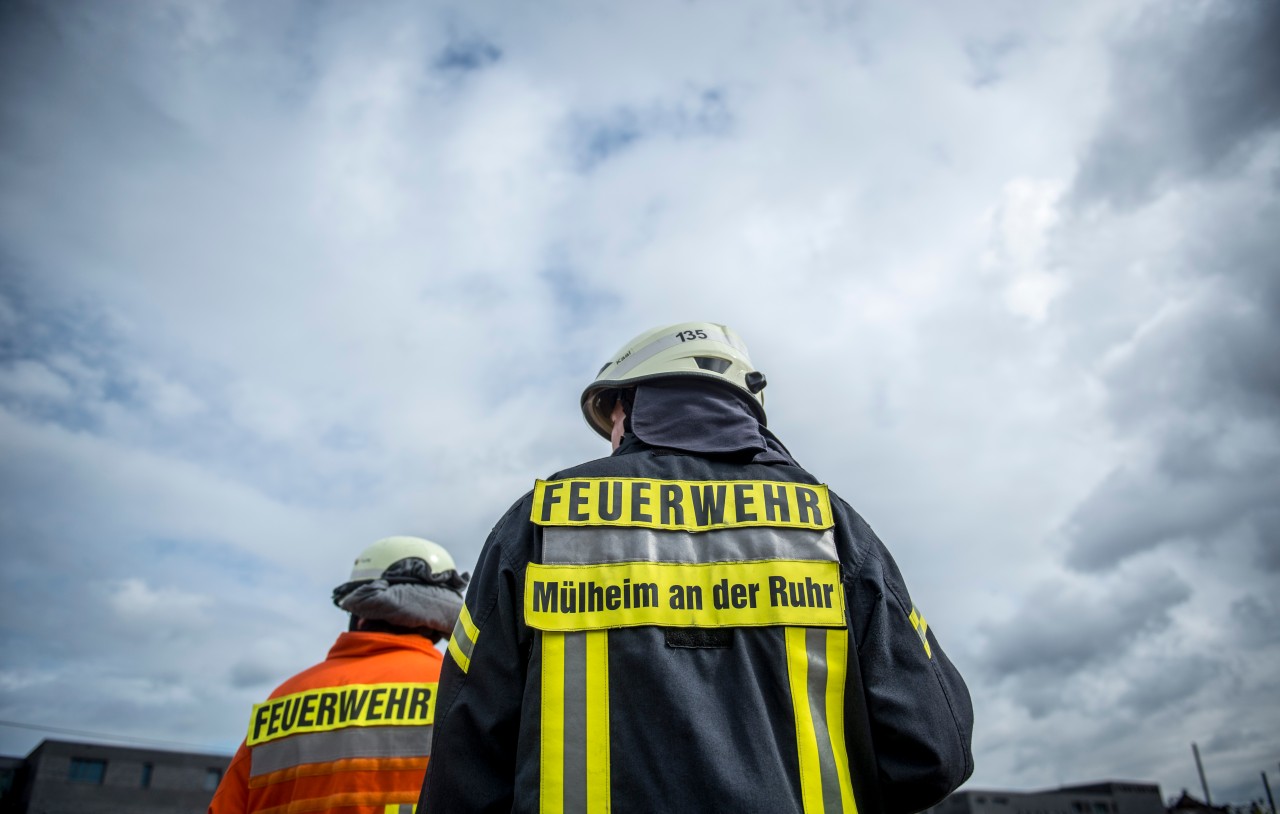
(462, 641)
(330, 708)
(816, 671)
(680, 505)
(837, 665)
(464, 619)
(806, 738)
(455, 650)
(716, 594)
(551, 760)
(597, 702)
(922, 629)
(574, 737)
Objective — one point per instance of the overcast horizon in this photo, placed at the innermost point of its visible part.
(278, 280)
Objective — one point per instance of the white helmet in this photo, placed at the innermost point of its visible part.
(699, 350)
(375, 559)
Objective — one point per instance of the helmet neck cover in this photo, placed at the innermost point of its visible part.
(407, 595)
(689, 351)
(692, 416)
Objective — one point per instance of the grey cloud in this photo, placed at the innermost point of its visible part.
(465, 56)
(1196, 390)
(1266, 529)
(987, 58)
(1219, 356)
(1168, 683)
(1193, 86)
(601, 138)
(1135, 510)
(250, 674)
(65, 95)
(1256, 621)
(1228, 741)
(1062, 631)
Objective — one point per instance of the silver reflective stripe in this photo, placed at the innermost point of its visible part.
(575, 722)
(601, 544)
(816, 645)
(662, 343)
(326, 747)
(462, 639)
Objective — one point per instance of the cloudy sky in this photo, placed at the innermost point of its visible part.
(278, 279)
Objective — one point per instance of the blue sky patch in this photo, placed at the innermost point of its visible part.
(464, 56)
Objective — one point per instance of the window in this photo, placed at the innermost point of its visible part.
(212, 777)
(87, 770)
(147, 769)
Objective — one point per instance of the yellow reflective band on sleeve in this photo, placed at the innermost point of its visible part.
(716, 594)
(574, 766)
(677, 505)
(462, 641)
(331, 708)
(816, 668)
(922, 629)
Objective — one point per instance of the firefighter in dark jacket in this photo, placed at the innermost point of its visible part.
(694, 623)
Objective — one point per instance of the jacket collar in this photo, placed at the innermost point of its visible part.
(361, 644)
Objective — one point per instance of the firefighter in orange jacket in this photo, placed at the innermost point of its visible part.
(354, 731)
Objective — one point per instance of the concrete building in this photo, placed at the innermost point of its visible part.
(1108, 797)
(63, 777)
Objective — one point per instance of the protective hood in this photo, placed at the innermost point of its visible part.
(705, 419)
(408, 595)
(405, 605)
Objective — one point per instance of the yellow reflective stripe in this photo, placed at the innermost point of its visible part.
(462, 641)
(717, 594)
(680, 505)
(922, 629)
(400, 808)
(464, 619)
(330, 708)
(455, 650)
(837, 664)
(806, 738)
(597, 686)
(551, 764)
(816, 672)
(575, 753)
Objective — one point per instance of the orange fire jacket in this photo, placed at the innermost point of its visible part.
(351, 733)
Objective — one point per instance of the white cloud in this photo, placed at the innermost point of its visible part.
(133, 600)
(1021, 227)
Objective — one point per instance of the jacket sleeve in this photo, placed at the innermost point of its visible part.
(473, 747)
(232, 796)
(918, 707)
